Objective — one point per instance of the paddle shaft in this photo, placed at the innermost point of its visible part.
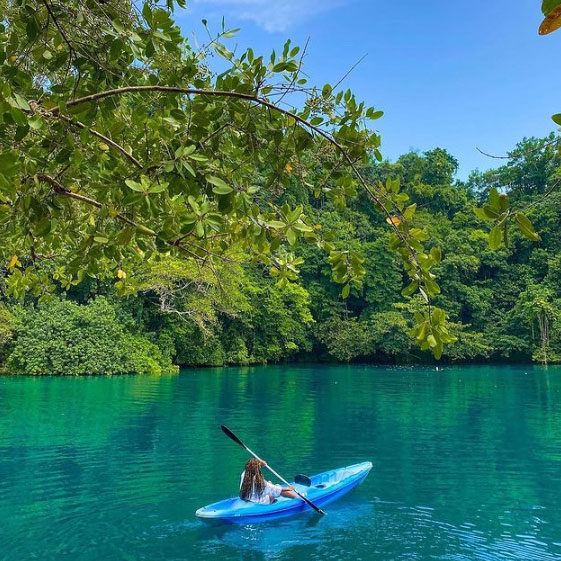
(232, 436)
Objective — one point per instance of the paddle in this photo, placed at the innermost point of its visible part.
(232, 436)
(303, 480)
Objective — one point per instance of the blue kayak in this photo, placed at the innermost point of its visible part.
(325, 487)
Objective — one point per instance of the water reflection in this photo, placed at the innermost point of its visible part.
(467, 463)
(277, 537)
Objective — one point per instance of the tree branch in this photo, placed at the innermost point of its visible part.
(105, 139)
(62, 190)
(265, 103)
(58, 26)
(238, 95)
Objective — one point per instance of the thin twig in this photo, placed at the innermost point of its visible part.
(350, 70)
(62, 190)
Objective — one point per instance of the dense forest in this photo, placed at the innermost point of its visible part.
(502, 305)
(167, 203)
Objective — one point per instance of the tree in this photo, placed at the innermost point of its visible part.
(64, 338)
(498, 211)
(537, 311)
(119, 145)
(7, 325)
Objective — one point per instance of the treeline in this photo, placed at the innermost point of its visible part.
(503, 305)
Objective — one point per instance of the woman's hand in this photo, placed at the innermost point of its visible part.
(289, 488)
(262, 463)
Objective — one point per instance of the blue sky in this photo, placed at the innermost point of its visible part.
(458, 74)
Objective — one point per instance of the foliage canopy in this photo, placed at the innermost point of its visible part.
(119, 145)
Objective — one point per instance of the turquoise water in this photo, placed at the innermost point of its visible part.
(467, 463)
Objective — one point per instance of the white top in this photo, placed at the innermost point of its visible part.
(270, 492)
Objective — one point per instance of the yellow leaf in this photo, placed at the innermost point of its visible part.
(121, 274)
(13, 262)
(288, 168)
(393, 220)
(552, 22)
(103, 146)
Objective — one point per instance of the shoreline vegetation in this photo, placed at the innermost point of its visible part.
(504, 306)
(166, 203)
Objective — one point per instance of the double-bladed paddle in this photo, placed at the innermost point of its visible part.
(233, 437)
(303, 480)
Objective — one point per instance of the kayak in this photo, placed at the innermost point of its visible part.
(325, 488)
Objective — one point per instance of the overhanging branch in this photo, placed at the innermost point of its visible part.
(259, 101)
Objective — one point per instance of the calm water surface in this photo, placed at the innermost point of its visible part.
(467, 463)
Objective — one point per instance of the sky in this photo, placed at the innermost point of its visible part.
(458, 74)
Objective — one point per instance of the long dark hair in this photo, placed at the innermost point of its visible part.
(253, 482)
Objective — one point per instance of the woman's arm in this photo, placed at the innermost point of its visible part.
(289, 492)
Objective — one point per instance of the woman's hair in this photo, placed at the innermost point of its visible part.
(253, 482)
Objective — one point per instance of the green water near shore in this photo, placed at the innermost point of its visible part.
(467, 463)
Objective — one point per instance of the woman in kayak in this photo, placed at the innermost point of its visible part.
(254, 488)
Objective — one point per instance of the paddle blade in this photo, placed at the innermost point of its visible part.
(231, 435)
(303, 480)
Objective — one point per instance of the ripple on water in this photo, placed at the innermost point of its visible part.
(467, 463)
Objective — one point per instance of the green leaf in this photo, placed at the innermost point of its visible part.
(291, 236)
(503, 202)
(409, 212)
(491, 212)
(494, 198)
(189, 168)
(220, 186)
(43, 227)
(495, 237)
(346, 291)
(8, 163)
(481, 214)
(159, 187)
(147, 13)
(101, 239)
(410, 288)
(36, 122)
(301, 227)
(224, 190)
(21, 102)
(436, 254)
(549, 5)
(145, 230)
(134, 185)
(230, 33)
(557, 118)
(276, 224)
(526, 227)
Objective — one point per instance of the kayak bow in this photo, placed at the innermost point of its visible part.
(325, 488)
